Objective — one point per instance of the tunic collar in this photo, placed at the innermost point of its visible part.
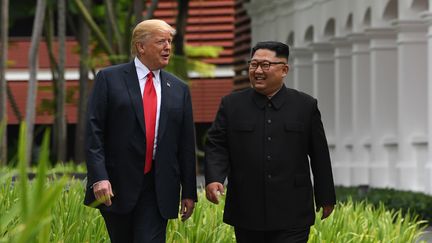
(277, 100)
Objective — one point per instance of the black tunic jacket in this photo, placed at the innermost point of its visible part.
(266, 148)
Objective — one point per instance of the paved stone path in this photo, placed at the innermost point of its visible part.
(427, 236)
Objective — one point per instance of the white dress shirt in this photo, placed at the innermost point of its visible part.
(142, 72)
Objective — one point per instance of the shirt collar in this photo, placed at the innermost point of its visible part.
(142, 70)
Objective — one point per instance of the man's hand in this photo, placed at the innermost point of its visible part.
(187, 207)
(327, 210)
(103, 192)
(213, 190)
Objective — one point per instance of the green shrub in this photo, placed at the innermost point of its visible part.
(205, 225)
(45, 210)
(361, 222)
(414, 202)
(26, 216)
(70, 221)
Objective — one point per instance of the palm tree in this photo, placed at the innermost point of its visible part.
(33, 66)
(3, 85)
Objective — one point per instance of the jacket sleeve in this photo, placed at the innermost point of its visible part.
(187, 156)
(320, 161)
(95, 134)
(216, 148)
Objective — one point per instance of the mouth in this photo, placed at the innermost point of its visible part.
(165, 56)
(259, 79)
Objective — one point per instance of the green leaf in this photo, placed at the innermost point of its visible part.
(203, 51)
(22, 165)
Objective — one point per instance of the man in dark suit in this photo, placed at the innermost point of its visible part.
(140, 141)
(261, 140)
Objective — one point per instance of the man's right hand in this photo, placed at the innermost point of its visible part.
(103, 192)
(213, 190)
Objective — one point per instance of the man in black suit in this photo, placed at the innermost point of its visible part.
(261, 140)
(140, 141)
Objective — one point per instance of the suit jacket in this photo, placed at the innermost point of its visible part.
(263, 146)
(116, 140)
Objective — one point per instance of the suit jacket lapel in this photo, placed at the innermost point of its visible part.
(132, 84)
(165, 99)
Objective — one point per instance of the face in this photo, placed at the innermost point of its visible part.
(267, 82)
(155, 51)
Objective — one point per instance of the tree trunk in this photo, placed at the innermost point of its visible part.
(134, 16)
(48, 31)
(60, 115)
(112, 19)
(181, 22)
(85, 14)
(151, 9)
(84, 37)
(33, 66)
(3, 85)
(49, 39)
(138, 10)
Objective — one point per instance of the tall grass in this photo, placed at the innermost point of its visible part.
(360, 222)
(205, 225)
(66, 219)
(45, 210)
(28, 217)
(74, 222)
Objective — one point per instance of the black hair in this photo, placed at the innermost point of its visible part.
(281, 49)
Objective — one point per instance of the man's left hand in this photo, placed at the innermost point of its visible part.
(187, 207)
(327, 210)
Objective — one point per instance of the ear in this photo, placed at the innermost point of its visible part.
(285, 70)
(140, 48)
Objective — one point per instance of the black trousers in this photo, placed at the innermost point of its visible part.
(274, 236)
(144, 224)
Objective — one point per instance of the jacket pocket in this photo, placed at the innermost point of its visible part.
(294, 127)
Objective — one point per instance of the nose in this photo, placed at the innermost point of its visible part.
(259, 68)
(167, 45)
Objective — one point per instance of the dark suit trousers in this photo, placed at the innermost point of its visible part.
(274, 236)
(144, 224)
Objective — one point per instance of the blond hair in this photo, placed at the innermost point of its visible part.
(145, 29)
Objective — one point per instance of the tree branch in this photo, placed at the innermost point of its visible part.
(93, 26)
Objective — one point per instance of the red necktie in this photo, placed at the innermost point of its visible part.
(150, 108)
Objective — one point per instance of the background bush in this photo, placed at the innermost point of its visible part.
(413, 202)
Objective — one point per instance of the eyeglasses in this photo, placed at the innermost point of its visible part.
(265, 65)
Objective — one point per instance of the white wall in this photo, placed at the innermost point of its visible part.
(372, 78)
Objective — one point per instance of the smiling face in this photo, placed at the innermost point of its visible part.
(154, 52)
(268, 82)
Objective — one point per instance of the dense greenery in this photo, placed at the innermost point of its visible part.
(55, 213)
(364, 223)
(51, 210)
(414, 202)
